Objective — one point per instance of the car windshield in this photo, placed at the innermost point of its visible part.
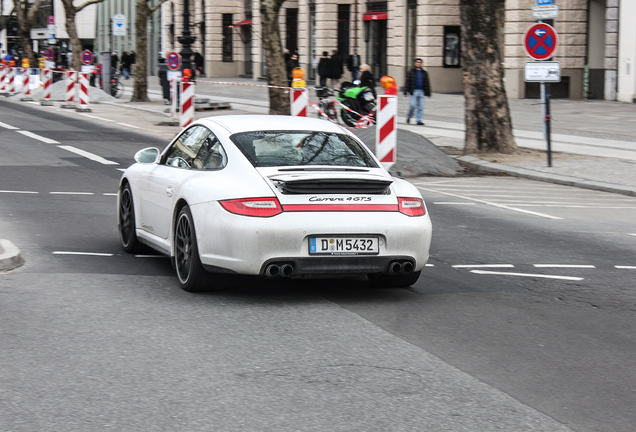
(299, 148)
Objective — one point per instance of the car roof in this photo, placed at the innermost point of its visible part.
(246, 123)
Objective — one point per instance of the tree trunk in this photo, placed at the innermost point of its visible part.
(140, 88)
(71, 29)
(487, 114)
(25, 13)
(279, 100)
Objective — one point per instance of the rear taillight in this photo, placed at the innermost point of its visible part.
(411, 206)
(258, 207)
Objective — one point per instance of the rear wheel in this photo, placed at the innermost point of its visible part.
(192, 276)
(126, 218)
(394, 281)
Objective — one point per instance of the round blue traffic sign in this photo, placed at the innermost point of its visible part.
(87, 57)
(540, 41)
(173, 60)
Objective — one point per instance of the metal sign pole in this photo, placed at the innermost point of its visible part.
(546, 89)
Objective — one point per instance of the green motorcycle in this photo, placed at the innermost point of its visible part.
(358, 99)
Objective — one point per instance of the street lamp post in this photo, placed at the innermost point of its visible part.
(186, 39)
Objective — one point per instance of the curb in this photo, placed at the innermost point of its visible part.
(481, 165)
(10, 257)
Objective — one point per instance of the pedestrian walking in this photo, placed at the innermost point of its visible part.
(335, 69)
(353, 64)
(292, 63)
(323, 68)
(126, 61)
(417, 85)
(367, 79)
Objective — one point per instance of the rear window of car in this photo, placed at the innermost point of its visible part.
(298, 148)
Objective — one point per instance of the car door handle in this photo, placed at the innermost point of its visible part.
(169, 191)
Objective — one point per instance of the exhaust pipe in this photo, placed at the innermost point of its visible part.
(395, 267)
(272, 270)
(286, 270)
(407, 267)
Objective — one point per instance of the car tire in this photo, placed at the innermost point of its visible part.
(394, 281)
(190, 272)
(126, 221)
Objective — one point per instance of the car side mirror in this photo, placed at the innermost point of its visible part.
(148, 155)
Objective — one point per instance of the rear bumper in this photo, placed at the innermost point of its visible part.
(338, 265)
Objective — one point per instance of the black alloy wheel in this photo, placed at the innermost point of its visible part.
(192, 276)
(126, 218)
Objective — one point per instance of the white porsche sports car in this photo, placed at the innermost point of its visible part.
(275, 196)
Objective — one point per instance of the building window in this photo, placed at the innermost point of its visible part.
(227, 38)
(452, 45)
(344, 11)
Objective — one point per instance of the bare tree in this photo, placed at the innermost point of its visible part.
(70, 10)
(26, 13)
(488, 121)
(279, 102)
(5, 17)
(144, 11)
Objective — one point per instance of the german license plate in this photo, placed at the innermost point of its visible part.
(343, 246)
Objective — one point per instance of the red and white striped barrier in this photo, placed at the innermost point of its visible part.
(186, 104)
(299, 100)
(386, 130)
(82, 92)
(11, 80)
(71, 89)
(47, 80)
(3, 75)
(26, 85)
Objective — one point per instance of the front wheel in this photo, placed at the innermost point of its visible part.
(192, 276)
(394, 281)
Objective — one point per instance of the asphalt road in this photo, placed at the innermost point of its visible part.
(497, 335)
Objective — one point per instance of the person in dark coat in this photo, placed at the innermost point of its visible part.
(126, 61)
(353, 65)
(323, 68)
(291, 64)
(335, 69)
(417, 85)
(367, 79)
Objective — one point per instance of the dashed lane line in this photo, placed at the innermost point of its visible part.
(563, 266)
(533, 275)
(493, 204)
(71, 193)
(38, 137)
(483, 266)
(626, 267)
(129, 125)
(88, 155)
(82, 253)
(453, 203)
(96, 118)
(7, 126)
(18, 192)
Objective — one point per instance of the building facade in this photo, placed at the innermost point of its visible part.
(596, 53)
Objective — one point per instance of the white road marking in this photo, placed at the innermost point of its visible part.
(109, 194)
(71, 193)
(38, 137)
(88, 155)
(626, 267)
(18, 192)
(631, 234)
(151, 256)
(564, 266)
(430, 265)
(6, 126)
(483, 266)
(490, 203)
(82, 253)
(97, 118)
(527, 275)
(128, 125)
(121, 169)
(453, 203)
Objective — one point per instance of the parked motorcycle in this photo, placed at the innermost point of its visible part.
(325, 104)
(357, 98)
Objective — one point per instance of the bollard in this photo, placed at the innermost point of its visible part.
(386, 130)
(26, 86)
(299, 100)
(71, 90)
(47, 76)
(186, 104)
(11, 81)
(82, 93)
(3, 74)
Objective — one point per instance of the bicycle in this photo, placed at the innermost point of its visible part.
(325, 104)
(116, 88)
